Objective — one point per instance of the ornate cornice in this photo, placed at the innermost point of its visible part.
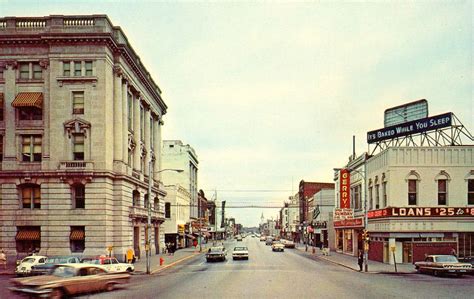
(77, 126)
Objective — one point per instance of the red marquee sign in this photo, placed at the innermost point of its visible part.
(355, 222)
(421, 212)
(344, 189)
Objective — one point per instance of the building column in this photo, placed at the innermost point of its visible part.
(46, 113)
(124, 121)
(157, 147)
(9, 93)
(118, 116)
(136, 133)
(147, 137)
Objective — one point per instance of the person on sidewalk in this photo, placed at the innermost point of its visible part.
(3, 259)
(360, 260)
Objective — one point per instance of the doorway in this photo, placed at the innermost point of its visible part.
(136, 241)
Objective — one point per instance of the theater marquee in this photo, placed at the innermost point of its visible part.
(421, 212)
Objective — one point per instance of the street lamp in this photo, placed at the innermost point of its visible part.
(366, 220)
(150, 182)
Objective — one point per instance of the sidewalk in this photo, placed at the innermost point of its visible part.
(168, 260)
(350, 262)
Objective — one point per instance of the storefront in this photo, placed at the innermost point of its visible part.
(348, 235)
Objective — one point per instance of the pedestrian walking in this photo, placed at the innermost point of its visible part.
(3, 259)
(360, 260)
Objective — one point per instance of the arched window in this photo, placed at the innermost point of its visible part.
(412, 180)
(442, 180)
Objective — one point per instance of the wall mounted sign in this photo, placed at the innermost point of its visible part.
(421, 212)
(344, 189)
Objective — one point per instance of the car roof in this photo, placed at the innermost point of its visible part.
(79, 266)
(35, 256)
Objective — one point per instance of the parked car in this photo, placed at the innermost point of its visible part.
(24, 267)
(216, 253)
(240, 252)
(69, 280)
(289, 244)
(440, 264)
(109, 263)
(51, 262)
(263, 238)
(468, 259)
(278, 246)
(238, 238)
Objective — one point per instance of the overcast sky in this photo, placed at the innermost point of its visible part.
(271, 93)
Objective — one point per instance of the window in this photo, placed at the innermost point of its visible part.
(136, 198)
(377, 197)
(78, 196)
(77, 68)
(442, 192)
(78, 102)
(470, 192)
(30, 113)
(156, 205)
(412, 197)
(88, 65)
(356, 198)
(28, 239)
(37, 71)
(31, 148)
(145, 201)
(77, 239)
(66, 68)
(130, 111)
(78, 147)
(142, 123)
(371, 198)
(1, 148)
(167, 210)
(30, 196)
(384, 194)
(24, 70)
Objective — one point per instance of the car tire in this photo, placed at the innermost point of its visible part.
(110, 287)
(129, 270)
(56, 294)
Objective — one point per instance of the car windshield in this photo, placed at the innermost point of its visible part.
(240, 248)
(63, 272)
(28, 260)
(446, 259)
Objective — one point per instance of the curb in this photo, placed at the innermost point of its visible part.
(174, 263)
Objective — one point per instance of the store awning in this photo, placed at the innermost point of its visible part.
(77, 235)
(28, 99)
(28, 235)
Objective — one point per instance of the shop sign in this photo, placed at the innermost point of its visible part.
(355, 222)
(344, 189)
(412, 127)
(320, 224)
(181, 229)
(421, 212)
(341, 214)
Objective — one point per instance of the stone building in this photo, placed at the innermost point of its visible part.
(80, 127)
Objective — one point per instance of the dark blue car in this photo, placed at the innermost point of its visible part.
(51, 262)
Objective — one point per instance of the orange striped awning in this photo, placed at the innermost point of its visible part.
(28, 235)
(77, 235)
(28, 99)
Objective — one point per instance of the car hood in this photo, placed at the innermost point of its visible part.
(35, 281)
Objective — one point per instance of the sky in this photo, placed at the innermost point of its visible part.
(270, 93)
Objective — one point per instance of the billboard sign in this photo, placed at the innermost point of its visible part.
(412, 127)
(344, 189)
(356, 222)
(405, 113)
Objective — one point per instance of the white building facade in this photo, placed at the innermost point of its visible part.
(323, 208)
(177, 215)
(80, 127)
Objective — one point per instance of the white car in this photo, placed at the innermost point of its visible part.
(278, 246)
(240, 252)
(24, 268)
(111, 264)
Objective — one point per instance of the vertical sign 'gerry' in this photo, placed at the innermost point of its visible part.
(344, 187)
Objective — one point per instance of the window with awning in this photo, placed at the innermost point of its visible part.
(28, 235)
(28, 99)
(77, 239)
(28, 239)
(77, 234)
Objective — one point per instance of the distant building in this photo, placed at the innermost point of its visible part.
(80, 126)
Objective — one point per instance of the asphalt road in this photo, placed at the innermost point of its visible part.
(289, 274)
